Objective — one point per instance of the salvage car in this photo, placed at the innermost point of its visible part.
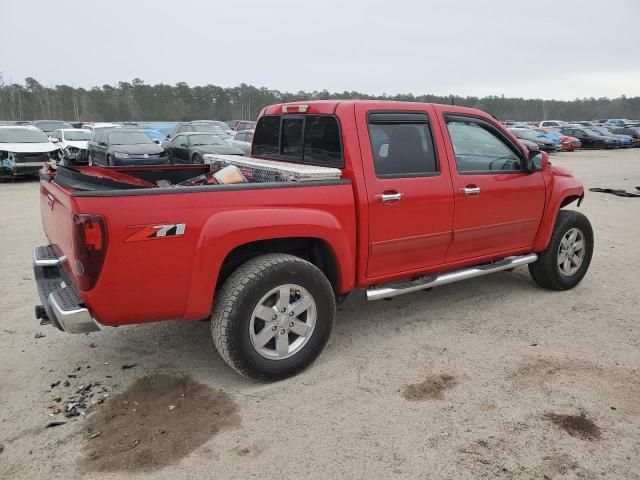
(242, 140)
(122, 147)
(23, 150)
(626, 141)
(190, 147)
(543, 142)
(569, 144)
(633, 132)
(203, 126)
(48, 126)
(333, 198)
(73, 145)
(590, 139)
(95, 127)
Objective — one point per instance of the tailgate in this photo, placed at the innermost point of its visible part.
(57, 220)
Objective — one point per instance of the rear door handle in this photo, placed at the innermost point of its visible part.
(470, 191)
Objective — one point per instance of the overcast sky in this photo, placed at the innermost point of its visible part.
(538, 48)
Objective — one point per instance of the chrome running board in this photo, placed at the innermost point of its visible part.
(428, 281)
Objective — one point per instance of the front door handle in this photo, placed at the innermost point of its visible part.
(470, 191)
(389, 197)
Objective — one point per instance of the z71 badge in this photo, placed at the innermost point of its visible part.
(152, 232)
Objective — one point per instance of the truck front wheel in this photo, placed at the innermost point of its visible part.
(566, 259)
(273, 316)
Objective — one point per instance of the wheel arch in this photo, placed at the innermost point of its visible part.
(233, 237)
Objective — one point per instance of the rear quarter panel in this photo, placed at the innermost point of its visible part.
(174, 277)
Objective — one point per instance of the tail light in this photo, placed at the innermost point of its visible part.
(89, 247)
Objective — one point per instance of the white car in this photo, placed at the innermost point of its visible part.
(72, 143)
(99, 126)
(23, 151)
(242, 140)
(552, 123)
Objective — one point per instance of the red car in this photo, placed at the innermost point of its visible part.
(388, 197)
(569, 144)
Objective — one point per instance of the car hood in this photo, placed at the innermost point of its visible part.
(28, 147)
(78, 144)
(150, 148)
(219, 149)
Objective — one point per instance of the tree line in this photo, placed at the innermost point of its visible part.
(137, 101)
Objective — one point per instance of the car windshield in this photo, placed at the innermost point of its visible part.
(51, 126)
(22, 135)
(591, 132)
(530, 134)
(128, 138)
(206, 140)
(78, 135)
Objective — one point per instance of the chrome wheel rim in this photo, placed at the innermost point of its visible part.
(282, 322)
(571, 252)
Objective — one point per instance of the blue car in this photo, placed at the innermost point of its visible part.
(549, 135)
(626, 141)
(617, 122)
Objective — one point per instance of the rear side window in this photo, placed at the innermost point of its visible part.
(402, 145)
(478, 149)
(310, 139)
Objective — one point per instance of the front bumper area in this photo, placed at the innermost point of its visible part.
(61, 302)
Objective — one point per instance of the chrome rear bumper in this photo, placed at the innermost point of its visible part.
(61, 302)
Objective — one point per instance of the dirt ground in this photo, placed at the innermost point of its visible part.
(493, 378)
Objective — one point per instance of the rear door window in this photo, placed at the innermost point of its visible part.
(310, 139)
(402, 145)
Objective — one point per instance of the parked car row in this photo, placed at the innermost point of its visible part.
(566, 136)
(25, 146)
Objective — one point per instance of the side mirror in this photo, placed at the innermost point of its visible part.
(156, 142)
(537, 161)
(103, 144)
(54, 140)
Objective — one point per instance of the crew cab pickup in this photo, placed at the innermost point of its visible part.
(424, 195)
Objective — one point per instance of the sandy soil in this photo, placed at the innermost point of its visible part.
(493, 378)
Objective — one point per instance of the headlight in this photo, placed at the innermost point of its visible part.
(120, 155)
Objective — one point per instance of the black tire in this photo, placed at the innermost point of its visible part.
(198, 159)
(546, 271)
(243, 291)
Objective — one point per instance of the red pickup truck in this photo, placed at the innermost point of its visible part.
(425, 195)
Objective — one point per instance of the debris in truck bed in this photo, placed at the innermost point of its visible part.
(229, 175)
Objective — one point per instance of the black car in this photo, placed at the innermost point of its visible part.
(190, 147)
(544, 144)
(49, 126)
(589, 138)
(125, 147)
(203, 126)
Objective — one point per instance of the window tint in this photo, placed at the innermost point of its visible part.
(266, 141)
(478, 149)
(401, 144)
(311, 139)
(322, 141)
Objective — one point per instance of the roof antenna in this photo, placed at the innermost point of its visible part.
(453, 101)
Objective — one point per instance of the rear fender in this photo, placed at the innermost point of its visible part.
(228, 230)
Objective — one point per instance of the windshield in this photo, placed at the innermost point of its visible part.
(22, 135)
(601, 131)
(591, 132)
(128, 138)
(51, 126)
(78, 135)
(206, 140)
(530, 134)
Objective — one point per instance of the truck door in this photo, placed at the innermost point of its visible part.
(409, 191)
(498, 205)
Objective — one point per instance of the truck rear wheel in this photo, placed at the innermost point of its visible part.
(273, 316)
(566, 259)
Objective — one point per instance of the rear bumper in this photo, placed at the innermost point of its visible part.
(61, 302)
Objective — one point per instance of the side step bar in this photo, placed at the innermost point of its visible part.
(428, 281)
